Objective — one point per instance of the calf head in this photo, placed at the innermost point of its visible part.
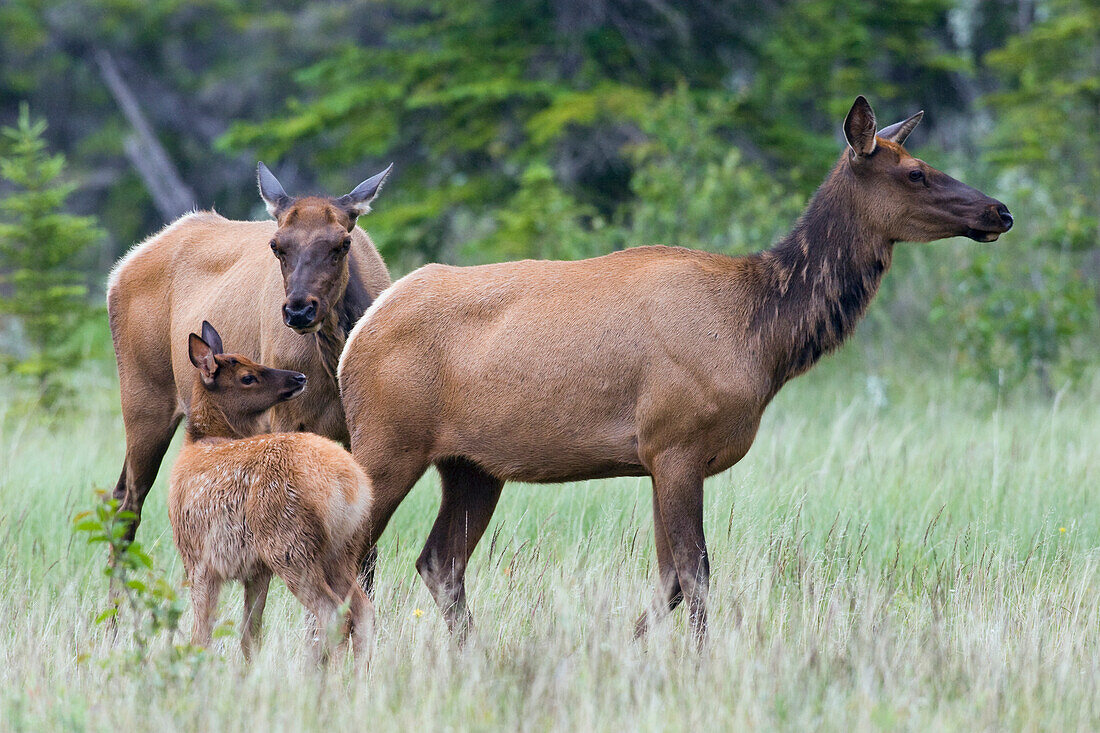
(240, 388)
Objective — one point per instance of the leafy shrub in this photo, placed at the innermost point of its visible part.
(696, 189)
(1015, 324)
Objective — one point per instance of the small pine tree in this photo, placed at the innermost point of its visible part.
(40, 284)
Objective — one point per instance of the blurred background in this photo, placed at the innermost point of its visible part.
(556, 129)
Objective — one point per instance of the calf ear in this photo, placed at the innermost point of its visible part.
(358, 201)
(210, 336)
(202, 356)
(271, 191)
(898, 131)
(859, 127)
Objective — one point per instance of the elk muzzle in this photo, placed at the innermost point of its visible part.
(294, 385)
(994, 221)
(300, 313)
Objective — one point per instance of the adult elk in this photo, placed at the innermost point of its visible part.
(654, 361)
(286, 292)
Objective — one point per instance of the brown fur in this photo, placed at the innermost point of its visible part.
(204, 263)
(244, 508)
(655, 361)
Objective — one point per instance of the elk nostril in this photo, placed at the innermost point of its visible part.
(299, 378)
(1006, 217)
(298, 315)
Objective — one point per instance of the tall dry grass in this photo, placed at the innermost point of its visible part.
(890, 555)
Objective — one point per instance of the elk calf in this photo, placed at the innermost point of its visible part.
(246, 506)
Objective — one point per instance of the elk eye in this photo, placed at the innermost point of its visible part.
(916, 175)
(275, 248)
(248, 379)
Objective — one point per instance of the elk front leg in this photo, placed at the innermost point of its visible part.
(669, 594)
(678, 483)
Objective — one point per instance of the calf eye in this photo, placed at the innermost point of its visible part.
(248, 379)
(916, 175)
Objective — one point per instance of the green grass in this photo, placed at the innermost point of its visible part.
(893, 549)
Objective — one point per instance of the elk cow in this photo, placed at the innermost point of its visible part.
(244, 508)
(653, 361)
(286, 291)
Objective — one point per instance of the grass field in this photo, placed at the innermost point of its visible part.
(903, 553)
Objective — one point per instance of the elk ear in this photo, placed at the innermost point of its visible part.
(202, 356)
(271, 191)
(859, 127)
(210, 336)
(898, 131)
(358, 201)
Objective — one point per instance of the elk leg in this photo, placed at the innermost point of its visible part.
(206, 586)
(669, 594)
(390, 484)
(148, 435)
(679, 487)
(360, 609)
(469, 497)
(311, 588)
(255, 599)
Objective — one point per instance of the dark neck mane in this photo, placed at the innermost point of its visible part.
(819, 280)
(329, 339)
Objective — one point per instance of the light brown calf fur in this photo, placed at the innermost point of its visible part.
(324, 267)
(244, 508)
(653, 361)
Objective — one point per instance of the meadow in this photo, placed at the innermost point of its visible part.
(899, 550)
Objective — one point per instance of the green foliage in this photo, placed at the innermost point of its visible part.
(1017, 325)
(143, 605)
(526, 128)
(1048, 108)
(542, 221)
(693, 188)
(1029, 312)
(40, 257)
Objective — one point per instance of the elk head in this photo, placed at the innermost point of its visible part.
(239, 387)
(906, 199)
(312, 244)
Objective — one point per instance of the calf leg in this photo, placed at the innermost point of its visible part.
(205, 588)
(360, 608)
(255, 599)
(678, 483)
(669, 594)
(469, 497)
(311, 588)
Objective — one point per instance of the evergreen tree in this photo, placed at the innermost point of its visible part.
(40, 283)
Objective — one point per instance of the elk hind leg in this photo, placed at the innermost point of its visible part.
(470, 495)
(255, 599)
(205, 588)
(149, 430)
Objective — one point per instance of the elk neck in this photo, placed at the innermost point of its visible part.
(206, 420)
(819, 279)
(353, 303)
